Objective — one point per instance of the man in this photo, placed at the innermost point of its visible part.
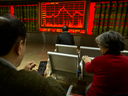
(65, 37)
(23, 82)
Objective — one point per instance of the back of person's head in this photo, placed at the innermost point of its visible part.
(65, 28)
(112, 40)
(12, 30)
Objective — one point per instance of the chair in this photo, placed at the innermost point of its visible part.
(84, 73)
(63, 64)
(90, 51)
(69, 92)
(125, 52)
(69, 49)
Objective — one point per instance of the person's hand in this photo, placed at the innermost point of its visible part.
(29, 66)
(86, 59)
(46, 73)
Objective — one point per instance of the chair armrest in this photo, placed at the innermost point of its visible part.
(69, 91)
(82, 70)
(76, 94)
(78, 53)
(50, 67)
(55, 50)
(71, 94)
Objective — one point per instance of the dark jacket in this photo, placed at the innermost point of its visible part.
(27, 83)
(65, 38)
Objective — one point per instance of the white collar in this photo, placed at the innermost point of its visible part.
(5, 62)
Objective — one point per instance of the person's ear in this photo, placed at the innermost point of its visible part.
(19, 47)
(105, 50)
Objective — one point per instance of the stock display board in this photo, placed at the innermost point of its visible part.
(4, 9)
(111, 16)
(103, 16)
(28, 13)
(31, 17)
(55, 15)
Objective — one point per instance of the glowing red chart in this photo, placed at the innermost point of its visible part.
(59, 14)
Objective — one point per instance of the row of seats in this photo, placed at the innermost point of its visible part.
(67, 60)
(90, 51)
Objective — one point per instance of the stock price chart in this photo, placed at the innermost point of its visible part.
(55, 15)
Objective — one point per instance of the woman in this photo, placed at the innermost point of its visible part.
(111, 69)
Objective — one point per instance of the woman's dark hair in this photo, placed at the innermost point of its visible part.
(112, 40)
(12, 30)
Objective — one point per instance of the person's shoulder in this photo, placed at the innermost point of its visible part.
(109, 56)
(99, 58)
(26, 83)
(33, 75)
(70, 34)
(124, 56)
(29, 82)
(60, 34)
(26, 78)
(96, 58)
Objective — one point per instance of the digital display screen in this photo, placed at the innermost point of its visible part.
(55, 15)
(28, 13)
(4, 9)
(42, 67)
(109, 16)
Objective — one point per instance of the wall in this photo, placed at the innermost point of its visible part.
(50, 38)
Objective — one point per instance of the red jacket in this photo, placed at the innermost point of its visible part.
(110, 75)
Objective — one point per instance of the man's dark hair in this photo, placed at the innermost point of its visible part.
(65, 28)
(12, 30)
